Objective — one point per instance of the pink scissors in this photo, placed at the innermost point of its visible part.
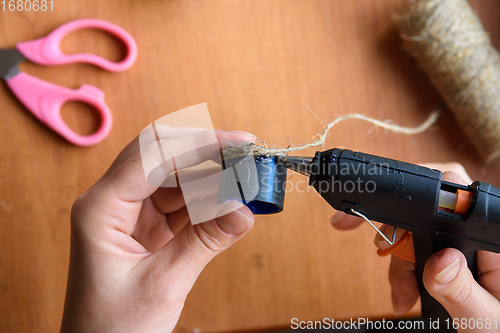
(45, 99)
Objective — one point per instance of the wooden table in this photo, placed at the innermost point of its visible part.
(259, 65)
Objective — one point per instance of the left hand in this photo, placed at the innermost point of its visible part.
(134, 254)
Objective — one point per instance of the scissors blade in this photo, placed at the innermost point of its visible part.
(9, 59)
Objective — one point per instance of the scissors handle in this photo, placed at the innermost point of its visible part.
(45, 100)
(47, 50)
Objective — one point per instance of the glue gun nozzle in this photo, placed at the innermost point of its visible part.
(298, 164)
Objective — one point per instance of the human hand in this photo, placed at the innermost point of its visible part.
(134, 254)
(446, 276)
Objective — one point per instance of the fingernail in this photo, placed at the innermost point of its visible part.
(337, 217)
(395, 304)
(236, 224)
(245, 133)
(449, 273)
(379, 241)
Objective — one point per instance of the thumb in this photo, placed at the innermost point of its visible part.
(196, 245)
(450, 282)
(204, 241)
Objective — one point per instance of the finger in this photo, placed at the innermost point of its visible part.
(117, 199)
(388, 231)
(128, 182)
(168, 199)
(133, 147)
(205, 240)
(488, 265)
(171, 199)
(343, 221)
(169, 133)
(447, 279)
(195, 245)
(152, 230)
(454, 167)
(403, 280)
(185, 151)
(178, 219)
(454, 178)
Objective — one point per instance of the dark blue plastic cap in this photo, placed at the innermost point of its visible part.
(258, 182)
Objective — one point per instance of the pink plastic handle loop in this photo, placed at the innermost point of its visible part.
(45, 100)
(47, 50)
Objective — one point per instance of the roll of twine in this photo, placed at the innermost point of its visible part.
(449, 43)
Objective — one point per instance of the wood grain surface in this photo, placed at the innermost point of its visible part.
(259, 65)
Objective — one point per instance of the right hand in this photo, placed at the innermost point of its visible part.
(446, 275)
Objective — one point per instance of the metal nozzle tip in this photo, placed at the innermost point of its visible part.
(298, 164)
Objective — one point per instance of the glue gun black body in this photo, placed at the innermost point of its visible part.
(407, 196)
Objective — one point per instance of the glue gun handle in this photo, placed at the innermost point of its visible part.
(425, 246)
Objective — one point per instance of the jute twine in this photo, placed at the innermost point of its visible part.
(450, 45)
(261, 150)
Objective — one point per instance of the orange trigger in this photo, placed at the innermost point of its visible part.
(403, 249)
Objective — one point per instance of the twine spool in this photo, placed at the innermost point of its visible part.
(450, 45)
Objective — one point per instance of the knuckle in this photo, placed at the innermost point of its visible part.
(78, 206)
(460, 294)
(455, 166)
(81, 209)
(206, 240)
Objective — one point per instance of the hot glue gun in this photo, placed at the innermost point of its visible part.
(438, 214)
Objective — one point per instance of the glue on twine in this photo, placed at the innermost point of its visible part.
(449, 43)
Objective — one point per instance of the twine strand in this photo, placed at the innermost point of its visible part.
(378, 123)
